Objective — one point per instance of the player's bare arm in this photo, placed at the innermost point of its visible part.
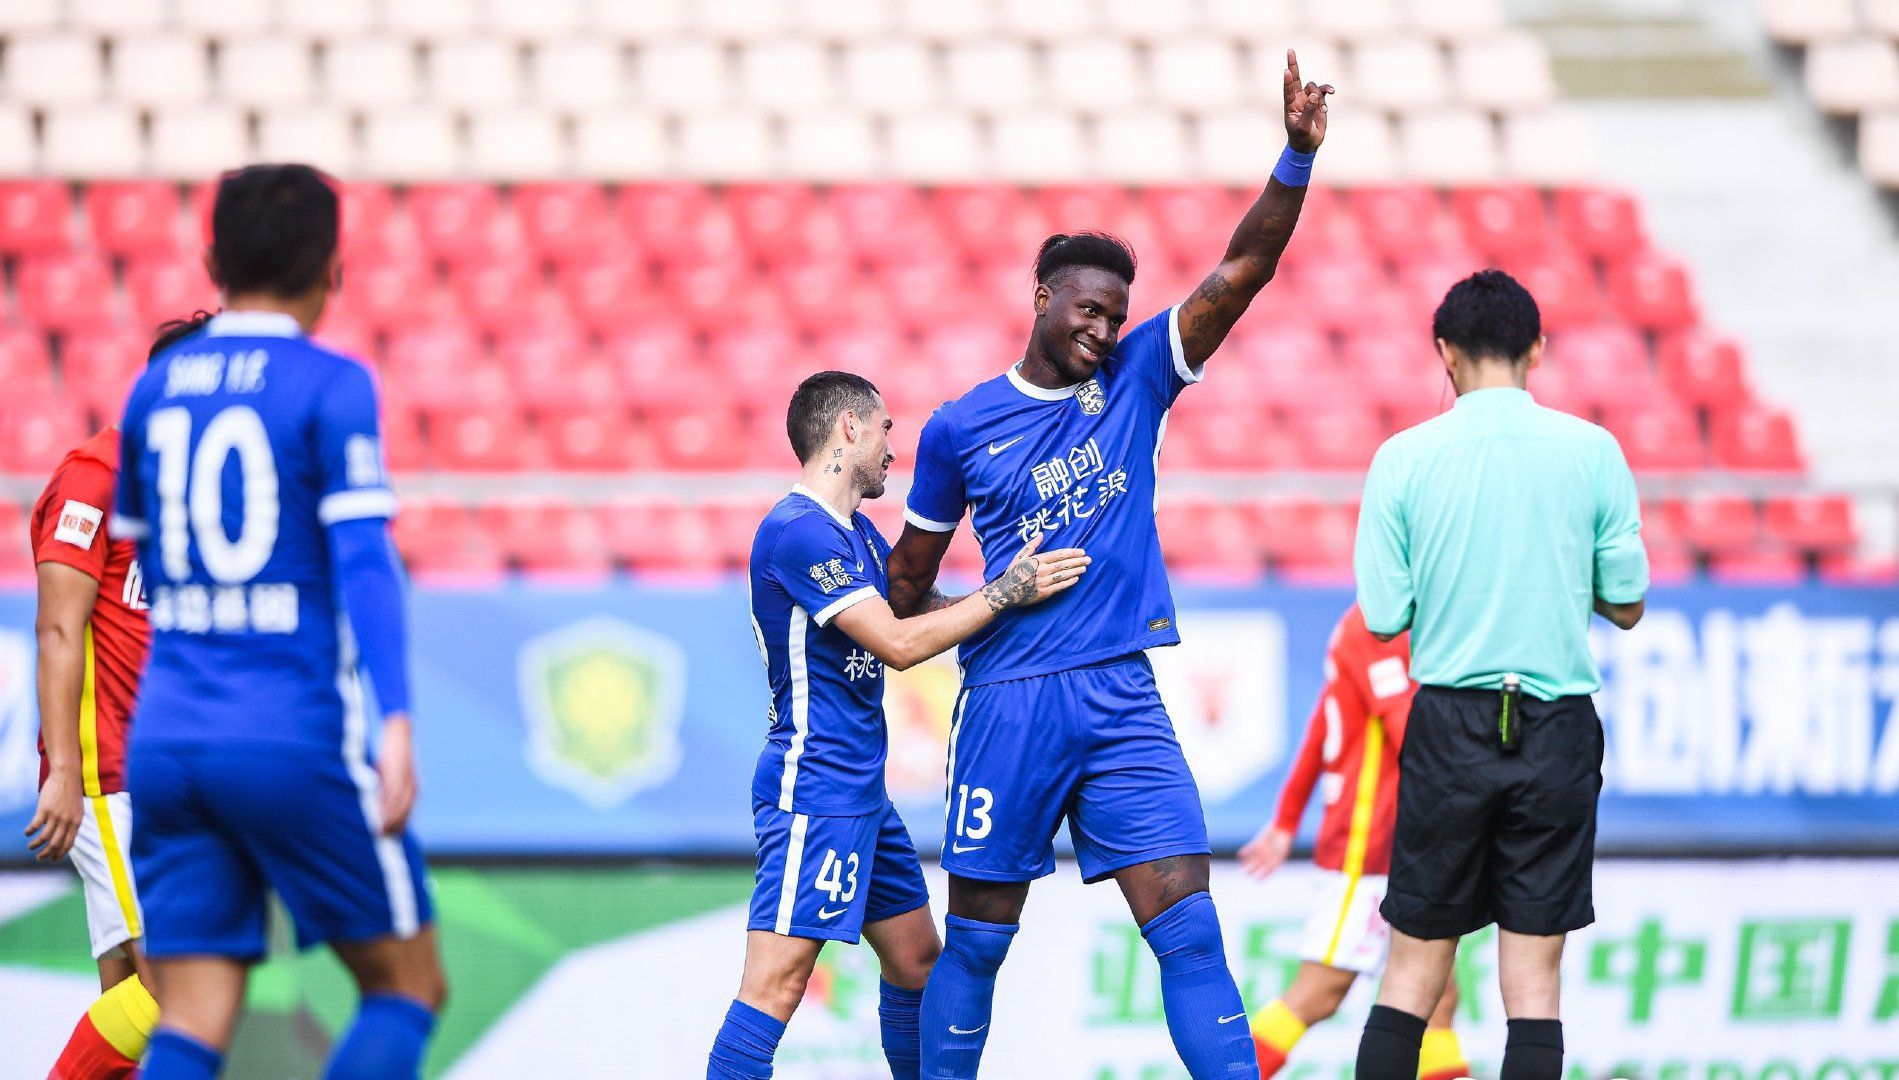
(1252, 255)
(66, 597)
(903, 643)
(913, 566)
(1624, 616)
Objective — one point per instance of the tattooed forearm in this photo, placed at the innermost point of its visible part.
(936, 601)
(1015, 587)
(1252, 258)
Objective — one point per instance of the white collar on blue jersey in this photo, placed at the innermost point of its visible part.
(253, 324)
(800, 489)
(1039, 393)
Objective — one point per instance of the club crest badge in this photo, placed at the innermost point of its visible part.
(1090, 397)
(603, 700)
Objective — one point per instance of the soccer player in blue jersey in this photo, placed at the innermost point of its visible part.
(253, 481)
(1059, 717)
(834, 860)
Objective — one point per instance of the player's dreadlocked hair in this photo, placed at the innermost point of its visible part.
(1489, 315)
(818, 402)
(273, 229)
(173, 331)
(1065, 250)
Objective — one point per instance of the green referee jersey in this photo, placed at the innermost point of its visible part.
(1489, 531)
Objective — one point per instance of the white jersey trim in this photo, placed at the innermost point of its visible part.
(800, 489)
(843, 603)
(800, 704)
(794, 865)
(253, 324)
(927, 524)
(949, 794)
(129, 528)
(1187, 374)
(397, 879)
(1039, 393)
(350, 505)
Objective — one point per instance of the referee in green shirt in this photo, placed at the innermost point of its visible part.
(1491, 532)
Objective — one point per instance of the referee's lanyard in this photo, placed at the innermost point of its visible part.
(1510, 715)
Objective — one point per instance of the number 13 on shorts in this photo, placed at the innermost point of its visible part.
(972, 815)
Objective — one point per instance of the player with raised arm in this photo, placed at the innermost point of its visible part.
(1059, 716)
(253, 481)
(1352, 741)
(834, 859)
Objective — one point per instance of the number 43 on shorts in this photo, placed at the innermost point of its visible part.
(837, 878)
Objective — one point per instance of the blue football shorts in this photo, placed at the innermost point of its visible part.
(219, 827)
(1092, 745)
(828, 877)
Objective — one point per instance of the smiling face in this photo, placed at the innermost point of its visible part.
(1078, 317)
(870, 453)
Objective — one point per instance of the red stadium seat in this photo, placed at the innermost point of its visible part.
(1341, 437)
(709, 438)
(818, 294)
(136, 217)
(1564, 285)
(1075, 207)
(1758, 438)
(591, 438)
(1653, 291)
(24, 360)
(1705, 369)
(1401, 220)
(1327, 228)
(1720, 524)
(16, 552)
(405, 448)
(39, 433)
(35, 216)
(928, 289)
(497, 294)
(985, 221)
(1503, 222)
(1818, 523)
(1606, 365)
(779, 221)
(66, 291)
(1209, 433)
(556, 368)
(1762, 567)
(610, 290)
(1208, 538)
(480, 439)
(370, 225)
(1194, 221)
(164, 286)
(1426, 275)
(663, 369)
(1670, 562)
(1657, 437)
(542, 535)
(387, 294)
(757, 364)
(1308, 538)
(877, 351)
(882, 221)
(1600, 222)
(563, 220)
(711, 292)
(109, 356)
(675, 220)
(1337, 294)
(1664, 521)
(1396, 368)
(453, 220)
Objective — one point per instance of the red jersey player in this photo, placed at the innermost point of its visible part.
(1351, 752)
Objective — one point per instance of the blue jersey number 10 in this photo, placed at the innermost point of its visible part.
(191, 493)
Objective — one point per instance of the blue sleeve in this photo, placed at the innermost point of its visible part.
(1381, 556)
(1621, 560)
(349, 450)
(814, 563)
(937, 495)
(129, 518)
(1151, 353)
(364, 563)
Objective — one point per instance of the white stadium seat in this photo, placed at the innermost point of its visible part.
(1352, 20)
(1398, 73)
(621, 144)
(1802, 22)
(323, 136)
(474, 73)
(274, 70)
(642, 20)
(890, 77)
(786, 75)
(993, 76)
(370, 72)
(412, 144)
(224, 18)
(1200, 74)
(1040, 146)
(328, 20)
(1359, 147)
(64, 68)
(1256, 22)
(1319, 62)
(936, 146)
(195, 142)
(1448, 146)
(429, 19)
(1240, 146)
(516, 144)
(934, 20)
(1455, 20)
(160, 69)
(1516, 60)
(32, 15)
(744, 20)
(1046, 20)
(1845, 78)
(1144, 20)
(1094, 75)
(114, 17)
(831, 145)
(726, 145)
(578, 74)
(92, 141)
(537, 20)
(1142, 146)
(1881, 17)
(1879, 148)
(845, 20)
(683, 74)
(1553, 145)
(19, 150)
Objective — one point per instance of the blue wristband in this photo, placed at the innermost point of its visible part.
(1294, 169)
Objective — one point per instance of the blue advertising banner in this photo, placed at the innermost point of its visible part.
(626, 718)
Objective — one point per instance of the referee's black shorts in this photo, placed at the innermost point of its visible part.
(1483, 836)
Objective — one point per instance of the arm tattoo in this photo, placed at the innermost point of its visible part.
(1251, 260)
(936, 601)
(1015, 587)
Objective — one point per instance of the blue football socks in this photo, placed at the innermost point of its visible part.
(745, 1045)
(960, 997)
(899, 1014)
(174, 1056)
(386, 1042)
(1202, 1003)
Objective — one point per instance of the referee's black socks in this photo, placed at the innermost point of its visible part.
(1389, 1048)
(1534, 1051)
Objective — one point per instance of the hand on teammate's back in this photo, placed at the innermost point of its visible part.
(1267, 852)
(1032, 578)
(396, 766)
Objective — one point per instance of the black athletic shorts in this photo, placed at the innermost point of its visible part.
(1483, 836)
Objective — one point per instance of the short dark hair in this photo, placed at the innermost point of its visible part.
(1488, 315)
(172, 331)
(1065, 250)
(273, 229)
(818, 402)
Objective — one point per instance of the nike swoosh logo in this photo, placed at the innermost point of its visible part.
(954, 1030)
(959, 849)
(1230, 1019)
(995, 448)
(826, 913)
